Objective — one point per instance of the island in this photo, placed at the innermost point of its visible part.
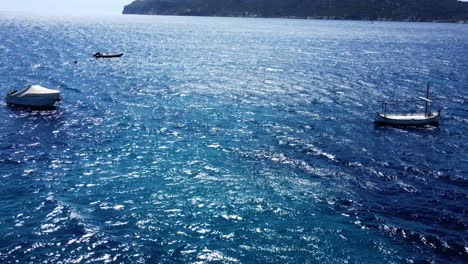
(394, 10)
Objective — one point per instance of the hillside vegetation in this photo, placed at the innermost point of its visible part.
(405, 10)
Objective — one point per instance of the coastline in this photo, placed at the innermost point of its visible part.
(451, 21)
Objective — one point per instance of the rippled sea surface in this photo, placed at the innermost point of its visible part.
(232, 140)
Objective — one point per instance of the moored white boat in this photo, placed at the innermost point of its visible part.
(34, 96)
(416, 119)
(408, 119)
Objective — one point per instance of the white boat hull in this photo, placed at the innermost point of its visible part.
(419, 119)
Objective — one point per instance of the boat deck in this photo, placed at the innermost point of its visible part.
(416, 116)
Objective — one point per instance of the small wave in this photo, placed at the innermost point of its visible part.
(207, 255)
(299, 164)
(453, 250)
(316, 151)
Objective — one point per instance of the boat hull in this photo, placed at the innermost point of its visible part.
(407, 119)
(33, 101)
(104, 56)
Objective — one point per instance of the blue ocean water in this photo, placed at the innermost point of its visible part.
(224, 140)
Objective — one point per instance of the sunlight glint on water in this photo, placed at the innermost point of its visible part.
(231, 140)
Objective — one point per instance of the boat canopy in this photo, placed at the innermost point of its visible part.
(36, 90)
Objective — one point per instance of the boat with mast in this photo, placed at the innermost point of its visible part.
(408, 119)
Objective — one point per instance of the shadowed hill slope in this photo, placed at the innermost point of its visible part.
(407, 10)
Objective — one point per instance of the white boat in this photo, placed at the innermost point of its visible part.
(408, 119)
(416, 119)
(34, 96)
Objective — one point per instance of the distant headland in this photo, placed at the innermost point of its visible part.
(392, 10)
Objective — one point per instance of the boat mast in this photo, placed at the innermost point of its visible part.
(384, 108)
(427, 100)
